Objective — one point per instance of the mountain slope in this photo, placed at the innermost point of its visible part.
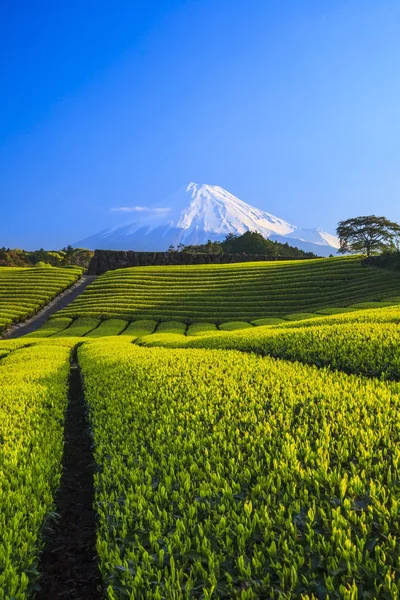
(197, 213)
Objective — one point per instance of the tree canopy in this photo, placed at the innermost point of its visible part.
(367, 235)
(16, 257)
(250, 242)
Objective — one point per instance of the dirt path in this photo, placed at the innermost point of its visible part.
(69, 566)
(62, 300)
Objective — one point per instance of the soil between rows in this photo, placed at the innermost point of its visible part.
(69, 564)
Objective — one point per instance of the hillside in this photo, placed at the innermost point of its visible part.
(270, 443)
(214, 444)
(247, 291)
(24, 291)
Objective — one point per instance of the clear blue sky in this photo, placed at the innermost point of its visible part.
(294, 106)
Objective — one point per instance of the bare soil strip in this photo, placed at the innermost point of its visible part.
(69, 565)
(62, 300)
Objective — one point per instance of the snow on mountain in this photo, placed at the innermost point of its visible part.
(214, 209)
(315, 236)
(197, 213)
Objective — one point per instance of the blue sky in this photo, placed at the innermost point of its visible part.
(291, 105)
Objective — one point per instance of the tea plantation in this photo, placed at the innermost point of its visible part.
(245, 428)
(233, 292)
(24, 291)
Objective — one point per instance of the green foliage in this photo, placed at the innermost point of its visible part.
(171, 327)
(365, 342)
(246, 477)
(232, 292)
(340, 347)
(387, 314)
(334, 311)
(250, 242)
(164, 340)
(373, 304)
(201, 329)
(52, 326)
(24, 291)
(225, 468)
(42, 264)
(367, 235)
(79, 327)
(209, 248)
(23, 258)
(108, 327)
(267, 321)
(233, 325)
(78, 257)
(140, 328)
(300, 316)
(33, 398)
(387, 260)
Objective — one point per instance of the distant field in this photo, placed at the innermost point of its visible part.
(23, 291)
(234, 292)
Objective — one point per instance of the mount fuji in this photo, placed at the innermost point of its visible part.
(198, 213)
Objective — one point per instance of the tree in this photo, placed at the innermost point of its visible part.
(69, 250)
(367, 235)
(251, 242)
(209, 248)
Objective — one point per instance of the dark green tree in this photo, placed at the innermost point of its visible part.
(250, 242)
(69, 250)
(367, 235)
(228, 241)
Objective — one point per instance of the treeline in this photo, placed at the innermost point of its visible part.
(15, 257)
(250, 242)
(386, 260)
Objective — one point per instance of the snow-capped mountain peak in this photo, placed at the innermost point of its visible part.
(197, 213)
(212, 208)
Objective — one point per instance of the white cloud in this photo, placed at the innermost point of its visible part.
(140, 209)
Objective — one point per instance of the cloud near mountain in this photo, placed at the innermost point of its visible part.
(129, 209)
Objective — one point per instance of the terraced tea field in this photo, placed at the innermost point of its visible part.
(248, 453)
(234, 292)
(24, 291)
(247, 477)
(33, 399)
